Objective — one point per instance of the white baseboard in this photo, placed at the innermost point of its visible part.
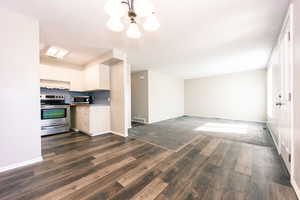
(295, 186)
(101, 133)
(96, 134)
(75, 129)
(152, 122)
(119, 134)
(21, 164)
(271, 133)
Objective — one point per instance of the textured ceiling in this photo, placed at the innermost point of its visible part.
(196, 38)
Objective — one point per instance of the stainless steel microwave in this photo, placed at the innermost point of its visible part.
(82, 100)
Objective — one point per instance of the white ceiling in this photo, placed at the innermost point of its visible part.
(196, 38)
(78, 55)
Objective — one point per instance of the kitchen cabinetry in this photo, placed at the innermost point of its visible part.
(92, 119)
(53, 84)
(97, 77)
(77, 84)
(90, 78)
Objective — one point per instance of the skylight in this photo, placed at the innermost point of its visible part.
(56, 52)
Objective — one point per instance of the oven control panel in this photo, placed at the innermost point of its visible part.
(52, 97)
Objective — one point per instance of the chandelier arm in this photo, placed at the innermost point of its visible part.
(127, 2)
(132, 5)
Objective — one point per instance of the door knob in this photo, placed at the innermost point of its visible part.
(280, 104)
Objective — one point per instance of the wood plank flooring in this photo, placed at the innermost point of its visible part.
(76, 166)
(175, 133)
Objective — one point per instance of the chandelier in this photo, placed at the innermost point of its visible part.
(117, 9)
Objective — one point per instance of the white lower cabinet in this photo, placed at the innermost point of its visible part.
(92, 119)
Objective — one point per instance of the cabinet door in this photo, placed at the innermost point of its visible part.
(104, 77)
(82, 118)
(99, 119)
(91, 74)
(77, 85)
(97, 77)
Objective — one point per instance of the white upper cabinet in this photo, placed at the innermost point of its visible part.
(52, 84)
(61, 76)
(97, 77)
(89, 78)
(77, 85)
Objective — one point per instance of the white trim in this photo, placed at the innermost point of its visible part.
(152, 122)
(119, 134)
(291, 17)
(101, 133)
(271, 133)
(295, 186)
(75, 129)
(96, 134)
(21, 164)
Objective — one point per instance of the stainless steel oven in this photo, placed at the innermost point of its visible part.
(54, 118)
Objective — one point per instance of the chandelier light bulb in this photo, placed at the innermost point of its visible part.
(133, 31)
(143, 8)
(151, 23)
(114, 8)
(115, 24)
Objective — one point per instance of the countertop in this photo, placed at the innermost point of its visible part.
(84, 104)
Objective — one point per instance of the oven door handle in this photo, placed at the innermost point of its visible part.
(54, 126)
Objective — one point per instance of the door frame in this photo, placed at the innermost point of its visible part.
(289, 21)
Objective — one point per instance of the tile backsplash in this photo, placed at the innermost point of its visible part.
(101, 97)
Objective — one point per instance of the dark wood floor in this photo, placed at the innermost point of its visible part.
(110, 167)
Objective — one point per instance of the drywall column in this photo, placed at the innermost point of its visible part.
(128, 95)
(20, 140)
(120, 98)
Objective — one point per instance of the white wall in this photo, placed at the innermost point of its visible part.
(139, 100)
(20, 139)
(166, 96)
(238, 96)
(296, 101)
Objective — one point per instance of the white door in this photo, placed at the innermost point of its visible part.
(275, 117)
(284, 100)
